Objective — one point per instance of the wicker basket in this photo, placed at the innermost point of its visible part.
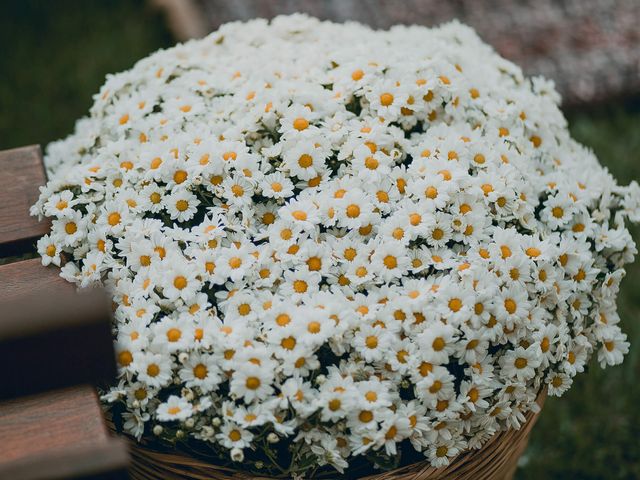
(496, 460)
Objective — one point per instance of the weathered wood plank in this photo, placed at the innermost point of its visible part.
(22, 174)
(59, 434)
(50, 337)
(20, 278)
(104, 461)
(55, 339)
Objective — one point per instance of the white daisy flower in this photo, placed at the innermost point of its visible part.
(234, 436)
(181, 205)
(250, 383)
(521, 363)
(177, 278)
(201, 371)
(154, 369)
(276, 185)
(49, 251)
(437, 343)
(175, 408)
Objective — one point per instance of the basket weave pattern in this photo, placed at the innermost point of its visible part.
(496, 460)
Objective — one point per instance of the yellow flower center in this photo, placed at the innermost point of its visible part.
(365, 416)
(288, 343)
(371, 163)
(200, 371)
(390, 262)
(180, 176)
(314, 264)
(510, 306)
(70, 228)
(357, 75)
(180, 282)
(455, 304)
(438, 344)
(252, 383)
(299, 215)
(283, 319)
(533, 252)
(300, 286)
(441, 451)
(173, 335)
(125, 358)
(305, 160)
(386, 99)
(300, 124)
(520, 363)
(314, 327)
(353, 211)
(557, 212)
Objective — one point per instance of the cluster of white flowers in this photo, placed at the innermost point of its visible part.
(339, 240)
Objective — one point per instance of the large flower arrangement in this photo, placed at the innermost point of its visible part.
(326, 242)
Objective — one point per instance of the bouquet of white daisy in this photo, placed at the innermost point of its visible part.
(330, 246)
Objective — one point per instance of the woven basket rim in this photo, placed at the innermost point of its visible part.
(496, 459)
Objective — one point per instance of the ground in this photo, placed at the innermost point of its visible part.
(54, 59)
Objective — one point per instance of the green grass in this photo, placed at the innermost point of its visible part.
(54, 58)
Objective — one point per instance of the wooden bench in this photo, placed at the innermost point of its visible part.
(54, 345)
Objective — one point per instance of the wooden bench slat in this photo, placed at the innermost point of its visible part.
(55, 339)
(19, 279)
(22, 174)
(105, 461)
(60, 430)
(50, 421)
(50, 337)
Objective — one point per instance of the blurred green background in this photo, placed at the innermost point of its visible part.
(54, 57)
